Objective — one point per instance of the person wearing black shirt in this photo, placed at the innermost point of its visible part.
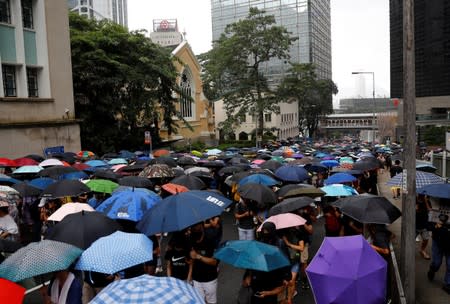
(244, 215)
(179, 262)
(440, 249)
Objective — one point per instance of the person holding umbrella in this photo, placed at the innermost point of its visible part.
(64, 288)
(179, 263)
(8, 227)
(244, 215)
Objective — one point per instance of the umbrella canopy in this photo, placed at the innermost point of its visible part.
(164, 160)
(340, 178)
(179, 211)
(135, 181)
(28, 169)
(106, 174)
(290, 205)
(85, 154)
(286, 188)
(9, 246)
(310, 192)
(339, 190)
(128, 205)
(8, 181)
(367, 164)
(83, 228)
(347, 270)
(74, 175)
(230, 170)
(26, 189)
(262, 179)
(369, 209)
(435, 190)
(38, 258)
(56, 171)
(42, 182)
(186, 161)
(293, 174)
(213, 152)
(11, 293)
(261, 194)
(64, 188)
(161, 152)
(196, 169)
(96, 163)
(80, 166)
(174, 188)
(67, 209)
(284, 220)
(51, 162)
(118, 161)
(258, 162)
(116, 252)
(330, 163)
(271, 165)
(6, 162)
(102, 185)
(157, 171)
(25, 161)
(422, 179)
(316, 167)
(251, 255)
(189, 181)
(149, 289)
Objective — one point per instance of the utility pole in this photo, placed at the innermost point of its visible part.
(407, 256)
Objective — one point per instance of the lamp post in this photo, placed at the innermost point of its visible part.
(373, 102)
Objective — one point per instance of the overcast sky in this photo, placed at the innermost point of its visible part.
(360, 37)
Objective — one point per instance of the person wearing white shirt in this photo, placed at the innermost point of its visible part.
(8, 228)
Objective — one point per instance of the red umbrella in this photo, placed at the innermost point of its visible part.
(24, 161)
(6, 162)
(10, 292)
(174, 188)
(80, 166)
(161, 152)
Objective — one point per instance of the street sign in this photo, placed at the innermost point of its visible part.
(53, 150)
(447, 141)
(147, 137)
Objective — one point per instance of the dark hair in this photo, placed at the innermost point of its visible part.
(4, 209)
(397, 162)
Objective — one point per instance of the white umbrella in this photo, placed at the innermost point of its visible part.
(67, 209)
(51, 162)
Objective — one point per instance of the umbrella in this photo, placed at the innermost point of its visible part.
(11, 293)
(135, 181)
(426, 168)
(6, 162)
(157, 171)
(28, 169)
(238, 160)
(25, 161)
(83, 228)
(293, 174)
(258, 162)
(38, 258)
(369, 209)
(213, 152)
(165, 161)
(347, 270)
(149, 289)
(196, 169)
(64, 188)
(173, 188)
(56, 171)
(330, 163)
(251, 255)
(258, 179)
(179, 211)
(106, 174)
(85, 154)
(74, 175)
(190, 182)
(306, 191)
(436, 190)
(196, 153)
(9, 246)
(8, 181)
(230, 170)
(422, 179)
(271, 165)
(128, 205)
(316, 167)
(96, 163)
(284, 220)
(261, 194)
(118, 161)
(367, 164)
(290, 205)
(340, 178)
(186, 161)
(286, 188)
(51, 162)
(217, 164)
(102, 185)
(26, 189)
(339, 190)
(161, 152)
(115, 252)
(67, 209)
(42, 182)
(80, 166)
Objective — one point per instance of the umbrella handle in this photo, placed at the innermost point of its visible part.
(37, 287)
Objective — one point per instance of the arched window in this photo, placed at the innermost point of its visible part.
(187, 106)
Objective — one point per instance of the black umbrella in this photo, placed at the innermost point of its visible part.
(106, 174)
(186, 161)
(27, 190)
(56, 171)
(211, 164)
(132, 168)
(264, 156)
(230, 170)
(37, 158)
(369, 209)
(136, 181)
(315, 167)
(204, 176)
(305, 191)
(110, 156)
(238, 160)
(367, 164)
(290, 204)
(261, 194)
(164, 160)
(271, 165)
(83, 228)
(64, 188)
(189, 181)
(286, 188)
(9, 246)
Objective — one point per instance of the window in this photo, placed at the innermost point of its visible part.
(268, 117)
(9, 80)
(185, 98)
(5, 14)
(27, 14)
(32, 81)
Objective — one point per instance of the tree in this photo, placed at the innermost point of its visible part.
(121, 80)
(386, 123)
(232, 68)
(313, 95)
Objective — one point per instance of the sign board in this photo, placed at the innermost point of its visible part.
(147, 137)
(447, 141)
(53, 150)
(404, 179)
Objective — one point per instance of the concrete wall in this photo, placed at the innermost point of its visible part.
(425, 104)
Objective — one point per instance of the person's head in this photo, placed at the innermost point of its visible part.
(443, 218)
(4, 208)
(397, 162)
(268, 232)
(197, 232)
(179, 240)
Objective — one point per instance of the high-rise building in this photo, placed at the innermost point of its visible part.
(308, 20)
(114, 10)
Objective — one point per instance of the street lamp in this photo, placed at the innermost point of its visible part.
(373, 102)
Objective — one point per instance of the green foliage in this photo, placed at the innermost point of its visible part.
(434, 136)
(236, 144)
(232, 68)
(120, 79)
(314, 96)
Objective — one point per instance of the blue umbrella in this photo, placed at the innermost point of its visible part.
(8, 181)
(118, 161)
(316, 167)
(38, 258)
(330, 163)
(293, 174)
(28, 169)
(128, 205)
(42, 182)
(251, 255)
(74, 175)
(96, 163)
(149, 289)
(436, 190)
(126, 154)
(340, 178)
(116, 252)
(339, 190)
(321, 155)
(179, 211)
(262, 179)
(422, 179)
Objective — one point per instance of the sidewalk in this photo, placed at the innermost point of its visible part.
(426, 292)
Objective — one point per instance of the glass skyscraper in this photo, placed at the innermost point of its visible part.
(114, 10)
(308, 20)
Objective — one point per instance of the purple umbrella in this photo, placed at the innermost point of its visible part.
(347, 270)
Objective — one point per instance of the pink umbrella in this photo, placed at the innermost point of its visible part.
(258, 161)
(284, 220)
(115, 168)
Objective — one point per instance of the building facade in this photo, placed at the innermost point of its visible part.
(432, 59)
(366, 105)
(114, 10)
(36, 92)
(165, 33)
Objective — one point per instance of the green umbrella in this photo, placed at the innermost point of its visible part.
(278, 159)
(102, 185)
